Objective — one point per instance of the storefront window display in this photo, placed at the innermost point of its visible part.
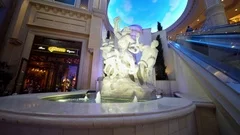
(54, 69)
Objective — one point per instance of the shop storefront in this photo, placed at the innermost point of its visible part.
(52, 66)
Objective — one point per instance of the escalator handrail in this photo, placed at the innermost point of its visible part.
(206, 40)
(219, 35)
(225, 45)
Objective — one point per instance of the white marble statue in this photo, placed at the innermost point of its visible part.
(126, 61)
(110, 55)
(122, 73)
(147, 61)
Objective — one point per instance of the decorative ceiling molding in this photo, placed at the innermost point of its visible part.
(232, 5)
(56, 9)
(198, 11)
(107, 21)
(190, 7)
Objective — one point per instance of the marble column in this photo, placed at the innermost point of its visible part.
(215, 13)
(15, 40)
(94, 44)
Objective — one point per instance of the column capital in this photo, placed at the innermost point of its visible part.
(215, 13)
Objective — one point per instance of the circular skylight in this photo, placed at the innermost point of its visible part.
(146, 13)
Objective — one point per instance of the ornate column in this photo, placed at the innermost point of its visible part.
(97, 27)
(215, 13)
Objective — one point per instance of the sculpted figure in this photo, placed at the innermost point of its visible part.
(134, 48)
(121, 69)
(110, 55)
(147, 61)
(126, 62)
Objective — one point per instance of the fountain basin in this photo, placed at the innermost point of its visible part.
(90, 98)
(25, 113)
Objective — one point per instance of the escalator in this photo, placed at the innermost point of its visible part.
(220, 51)
(213, 59)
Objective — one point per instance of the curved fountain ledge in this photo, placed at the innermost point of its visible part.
(29, 114)
(31, 109)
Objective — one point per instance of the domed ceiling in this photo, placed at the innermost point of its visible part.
(146, 13)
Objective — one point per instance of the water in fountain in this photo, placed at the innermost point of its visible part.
(135, 100)
(85, 98)
(98, 97)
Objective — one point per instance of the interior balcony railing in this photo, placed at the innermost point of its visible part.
(220, 29)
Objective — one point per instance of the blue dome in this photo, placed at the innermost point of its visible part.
(146, 13)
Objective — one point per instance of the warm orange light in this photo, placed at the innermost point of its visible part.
(235, 19)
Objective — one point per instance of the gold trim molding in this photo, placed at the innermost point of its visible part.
(52, 7)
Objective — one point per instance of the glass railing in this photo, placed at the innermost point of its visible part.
(227, 28)
(221, 29)
(224, 48)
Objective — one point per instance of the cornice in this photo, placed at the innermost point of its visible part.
(63, 10)
(104, 16)
(193, 14)
(232, 5)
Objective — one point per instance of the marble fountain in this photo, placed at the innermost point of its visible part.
(127, 104)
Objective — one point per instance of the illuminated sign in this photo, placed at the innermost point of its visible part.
(69, 51)
(56, 49)
(41, 48)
